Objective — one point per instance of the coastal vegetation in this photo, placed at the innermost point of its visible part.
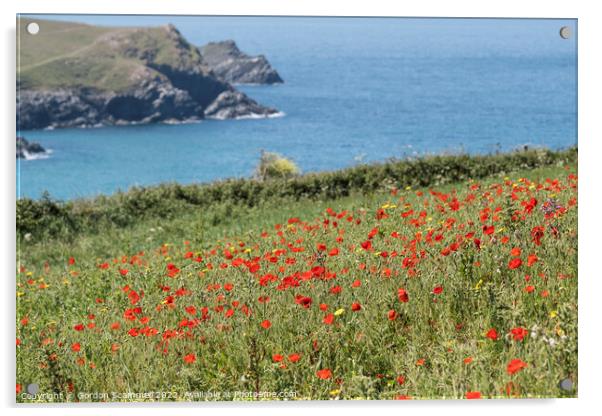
(48, 218)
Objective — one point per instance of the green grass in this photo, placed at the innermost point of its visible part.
(64, 55)
(364, 350)
(54, 39)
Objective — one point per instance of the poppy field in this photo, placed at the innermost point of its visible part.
(463, 291)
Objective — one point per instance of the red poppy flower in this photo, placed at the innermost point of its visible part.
(403, 295)
(277, 358)
(293, 358)
(381, 214)
(79, 327)
(356, 307)
(438, 290)
(515, 263)
(304, 301)
(336, 290)
(76, 347)
(515, 252)
(492, 334)
(266, 324)
(488, 229)
(531, 260)
(328, 319)
(392, 315)
(518, 333)
(537, 234)
(324, 374)
(473, 395)
(515, 365)
(400, 380)
(367, 245)
(334, 252)
(189, 358)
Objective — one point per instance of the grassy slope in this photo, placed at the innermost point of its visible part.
(54, 39)
(68, 299)
(205, 224)
(205, 227)
(71, 55)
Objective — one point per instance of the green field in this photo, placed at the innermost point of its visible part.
(453, 290)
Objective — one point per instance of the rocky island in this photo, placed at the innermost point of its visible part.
(236, 67)
(76, 75)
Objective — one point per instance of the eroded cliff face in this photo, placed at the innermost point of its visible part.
(232, 65)
(146, 75)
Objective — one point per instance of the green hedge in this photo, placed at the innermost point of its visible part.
(49, 218)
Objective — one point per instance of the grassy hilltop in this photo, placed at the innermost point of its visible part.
(66, 54)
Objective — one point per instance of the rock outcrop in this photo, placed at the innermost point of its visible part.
(127, 76)
(235, 104)
(27, 149)
(233, 66)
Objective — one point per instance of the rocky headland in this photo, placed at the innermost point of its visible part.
(120, 76)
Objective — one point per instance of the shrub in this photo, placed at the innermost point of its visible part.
(275, 166)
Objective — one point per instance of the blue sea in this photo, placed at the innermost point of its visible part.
(357, 90)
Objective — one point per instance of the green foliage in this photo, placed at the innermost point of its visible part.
(274, 166)
(49, 218)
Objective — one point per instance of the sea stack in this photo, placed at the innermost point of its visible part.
(232, 65)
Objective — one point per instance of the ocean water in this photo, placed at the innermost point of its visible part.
(356, 90)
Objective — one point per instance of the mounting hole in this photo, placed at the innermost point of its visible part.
(33, 28)
(33, 388)
(565, 32)
(566, 384)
